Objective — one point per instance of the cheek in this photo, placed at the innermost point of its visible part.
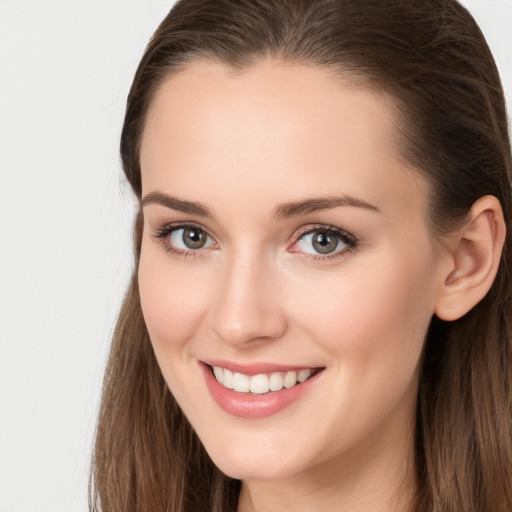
(372, 327)
(370, 312)
(172, 299)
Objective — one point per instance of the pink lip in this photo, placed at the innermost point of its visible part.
(245, 405)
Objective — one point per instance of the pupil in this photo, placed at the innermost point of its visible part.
(194, 238)
(324, 243)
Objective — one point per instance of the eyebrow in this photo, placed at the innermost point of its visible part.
(282, 211)
(312, 205)
(175, 204)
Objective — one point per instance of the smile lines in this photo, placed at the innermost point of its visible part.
(261, 383)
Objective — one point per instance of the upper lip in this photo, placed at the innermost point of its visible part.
(256, 367)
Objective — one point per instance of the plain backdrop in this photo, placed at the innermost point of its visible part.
(65, 226)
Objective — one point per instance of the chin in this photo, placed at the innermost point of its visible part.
(245, 462)
(253, 470)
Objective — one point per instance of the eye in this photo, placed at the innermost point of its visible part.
(184, 239)
(325, 241)
(189, 238)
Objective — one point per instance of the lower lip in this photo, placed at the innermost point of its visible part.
(245, 405)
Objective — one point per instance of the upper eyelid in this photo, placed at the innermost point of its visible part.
(308, 228)
(318, 227)
(174, 226)
(323, 227)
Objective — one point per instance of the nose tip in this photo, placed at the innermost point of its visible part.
(247, 329)
(247, 308)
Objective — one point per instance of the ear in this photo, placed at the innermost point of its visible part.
(475, 253)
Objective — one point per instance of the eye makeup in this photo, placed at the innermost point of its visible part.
(318, 242)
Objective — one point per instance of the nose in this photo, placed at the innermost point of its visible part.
(246, 308)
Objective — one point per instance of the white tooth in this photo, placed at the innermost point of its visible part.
(228, 379)
(259, 384)
(290, 379)
(276, 382)
(304, 375)
(219, 373)
(241, 383)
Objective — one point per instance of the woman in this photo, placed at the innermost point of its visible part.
(319, 317)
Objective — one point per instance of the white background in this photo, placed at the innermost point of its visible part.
(65, 223)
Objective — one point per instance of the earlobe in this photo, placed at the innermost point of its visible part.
(475, 254)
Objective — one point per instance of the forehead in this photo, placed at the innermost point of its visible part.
(273, 127)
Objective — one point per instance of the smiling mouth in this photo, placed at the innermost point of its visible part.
(263, 382)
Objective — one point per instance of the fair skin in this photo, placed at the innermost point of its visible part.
(263, 288)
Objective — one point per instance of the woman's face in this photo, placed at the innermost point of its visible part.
(284, 241)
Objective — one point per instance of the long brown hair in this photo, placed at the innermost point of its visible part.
(431, 57)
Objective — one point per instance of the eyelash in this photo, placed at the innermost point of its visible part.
(161, 234)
